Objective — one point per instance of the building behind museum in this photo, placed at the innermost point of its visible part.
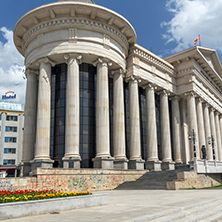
(11, 136)
(95, 98)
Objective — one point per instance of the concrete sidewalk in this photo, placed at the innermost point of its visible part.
(132, 205)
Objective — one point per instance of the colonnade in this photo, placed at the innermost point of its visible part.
(206, 123)
(203, 122)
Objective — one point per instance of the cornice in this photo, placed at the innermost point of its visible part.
(66, 23)
(152, 59)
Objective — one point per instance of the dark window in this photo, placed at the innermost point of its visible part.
(8, 162)
(87, 84)
(10, 139)
(143, 129)
(11, 118)
(127, 120)
(58, 113)
(10, 150)
(157, 101)
(11, 129)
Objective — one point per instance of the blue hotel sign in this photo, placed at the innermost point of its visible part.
(9, 95)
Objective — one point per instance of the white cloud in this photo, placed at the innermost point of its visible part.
(11, 68)
(193, 17)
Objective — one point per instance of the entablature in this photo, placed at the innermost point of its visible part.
(148, 57)
(90, 16)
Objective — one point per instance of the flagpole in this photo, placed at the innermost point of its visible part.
(199, 40)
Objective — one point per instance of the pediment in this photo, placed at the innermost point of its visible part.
(211, 58)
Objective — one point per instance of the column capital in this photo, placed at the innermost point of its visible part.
(217, 113)
(191, 93)
(206, 104)
(45, 60)
(150, 86)
(30, 72)
(134, 79)
(165, 92)
(175, 97)
(118, 71)
(69, 58)
(103, 61)
(212, 109)
(199, 99)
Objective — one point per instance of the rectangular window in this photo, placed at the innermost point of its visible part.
(10, 139)
(10, 150)
(8, 162)
(0, 116)
(12, 118)
(10, 129)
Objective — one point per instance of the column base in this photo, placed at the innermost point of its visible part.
(121, 164)
(41, 163)
(25, 169)
(71, 162)
(103, 162)
(136, 164)
(168, 166)
(178, 162)
(153, 165)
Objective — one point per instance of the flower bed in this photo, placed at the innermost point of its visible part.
(49, 204)
(27, 195)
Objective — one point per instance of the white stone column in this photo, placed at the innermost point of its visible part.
(192, 119)
(218, 133)
(103, 159)
(72, 157)
(200, 121)
(29, 135)
(42, 152)
(119, 140)
(167, 163)
(220, 123)
(135, 161)
(176, 129)
(152, 162)
(208, 132)
(213, 131)
(185, 131)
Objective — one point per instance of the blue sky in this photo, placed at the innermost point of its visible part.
(163, 26)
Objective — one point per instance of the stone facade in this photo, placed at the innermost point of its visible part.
(192, 180)
(142, 107)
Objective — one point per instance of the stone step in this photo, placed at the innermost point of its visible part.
(206, 214)
(150, 180)
(216, 217)
(198, 212)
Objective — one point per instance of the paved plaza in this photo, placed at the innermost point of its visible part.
(137, 205)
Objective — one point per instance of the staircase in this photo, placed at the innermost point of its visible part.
(208, 211)
(152, 180)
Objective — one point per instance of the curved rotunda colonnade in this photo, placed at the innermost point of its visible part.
(83, 66)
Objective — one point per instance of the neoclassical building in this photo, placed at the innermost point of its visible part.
(95, 98)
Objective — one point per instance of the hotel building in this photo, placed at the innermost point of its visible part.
(11, 133)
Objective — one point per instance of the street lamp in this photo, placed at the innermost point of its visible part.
(210, 141)
(193, 138)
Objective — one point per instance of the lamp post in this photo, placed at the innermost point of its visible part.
(210, 141)
(193, 138)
